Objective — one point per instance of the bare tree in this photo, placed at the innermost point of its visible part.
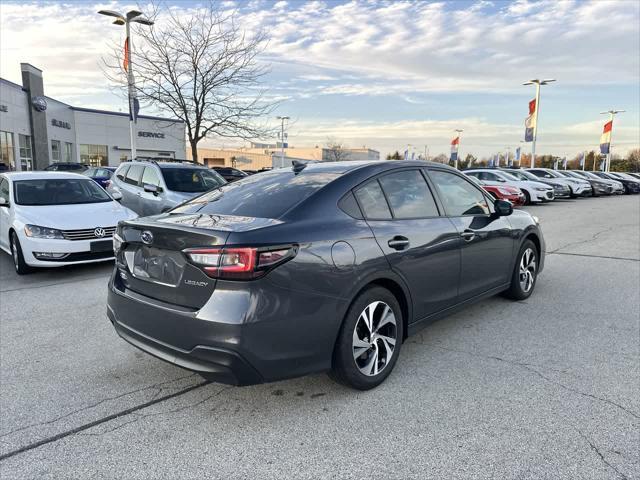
(336, 150)
(202, 69)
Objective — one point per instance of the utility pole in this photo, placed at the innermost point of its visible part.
(282, 120)
(537, 83)
(611, 113)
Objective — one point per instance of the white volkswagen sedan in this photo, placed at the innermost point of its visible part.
(50, 219)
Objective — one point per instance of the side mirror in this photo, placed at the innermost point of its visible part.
(152, 188)
(4, 202)
(117, 196)
(503, 208)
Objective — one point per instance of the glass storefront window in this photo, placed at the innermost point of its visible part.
(94, 155)
(26, 155)
(68, 152)
(6, 150)
(55, 150)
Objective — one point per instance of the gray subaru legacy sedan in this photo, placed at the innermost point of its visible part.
(318, 267)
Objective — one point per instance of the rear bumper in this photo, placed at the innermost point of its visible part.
(247, 333)
(215, 364)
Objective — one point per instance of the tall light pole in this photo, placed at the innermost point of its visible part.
(537, 83)
(282, 120)
(131, 16)
(459, 132)
(611, 113)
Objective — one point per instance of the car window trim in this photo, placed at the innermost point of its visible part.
(393, 215)
(483, 192)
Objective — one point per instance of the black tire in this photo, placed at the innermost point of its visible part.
(571, 194)
(18, 259)
(522, 287)
(527, 198)
(348, 370)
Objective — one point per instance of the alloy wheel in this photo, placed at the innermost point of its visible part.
(374, 338)
(527, 270)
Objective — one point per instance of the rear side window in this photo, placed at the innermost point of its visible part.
(134, 174)
(409, 195)
(267, 195)
(191, 180)
(122, 172)
(460, 196)
(372, 201)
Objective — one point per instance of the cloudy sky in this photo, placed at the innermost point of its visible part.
(389, 73)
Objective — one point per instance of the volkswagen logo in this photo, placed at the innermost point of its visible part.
(99, 232)
(146, 237)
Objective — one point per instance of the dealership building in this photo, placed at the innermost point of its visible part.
(36, 130)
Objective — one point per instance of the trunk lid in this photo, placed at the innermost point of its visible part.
(151, 261)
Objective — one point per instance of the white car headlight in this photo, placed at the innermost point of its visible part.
(35, 231)
(541, 189)
(117, 243)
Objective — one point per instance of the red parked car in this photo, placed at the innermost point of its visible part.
(502, 192)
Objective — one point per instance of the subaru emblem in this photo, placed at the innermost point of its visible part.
(99, 232)
(146, 237)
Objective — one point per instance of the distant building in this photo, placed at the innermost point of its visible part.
(262, 155)
(36, 130)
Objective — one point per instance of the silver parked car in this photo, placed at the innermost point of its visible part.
(150, 187)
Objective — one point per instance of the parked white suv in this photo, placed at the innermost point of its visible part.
(534, 192)
(579, 188)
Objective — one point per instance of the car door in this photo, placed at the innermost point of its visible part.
(487, 243)
(132, 190)
(422, 246)
(151, 203)
(5, 213)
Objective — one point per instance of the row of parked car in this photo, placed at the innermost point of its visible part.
(81, 218)
(537, 185)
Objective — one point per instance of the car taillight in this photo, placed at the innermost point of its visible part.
(241, 263)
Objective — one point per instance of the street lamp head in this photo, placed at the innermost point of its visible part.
(131, 14)
(548, 80)
(119, 21)
(111, 13)
(143, 21)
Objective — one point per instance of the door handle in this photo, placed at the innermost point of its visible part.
(468, 235)
(398, 242)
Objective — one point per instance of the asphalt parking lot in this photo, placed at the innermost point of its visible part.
(544, 388)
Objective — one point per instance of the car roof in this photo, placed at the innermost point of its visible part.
(43, 176)
(350, 165)
(166, 164)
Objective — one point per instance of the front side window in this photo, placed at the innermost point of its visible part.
(150, 177)
(55, 150)
(6, 150)
(372, 201)
(94, 155)
(409, 195)
(59, 191)
(191, 180)
(460, 197)
(26, 156)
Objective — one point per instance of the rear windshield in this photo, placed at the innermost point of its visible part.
(191, 180)
(266, 195)
(60, 191)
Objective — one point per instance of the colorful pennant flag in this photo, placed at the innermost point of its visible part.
(125, 61)
(605, 138)
(454, 148)
(517, 159)
(582, 159)
(530, 122)
(564, 163)
(406, 154)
